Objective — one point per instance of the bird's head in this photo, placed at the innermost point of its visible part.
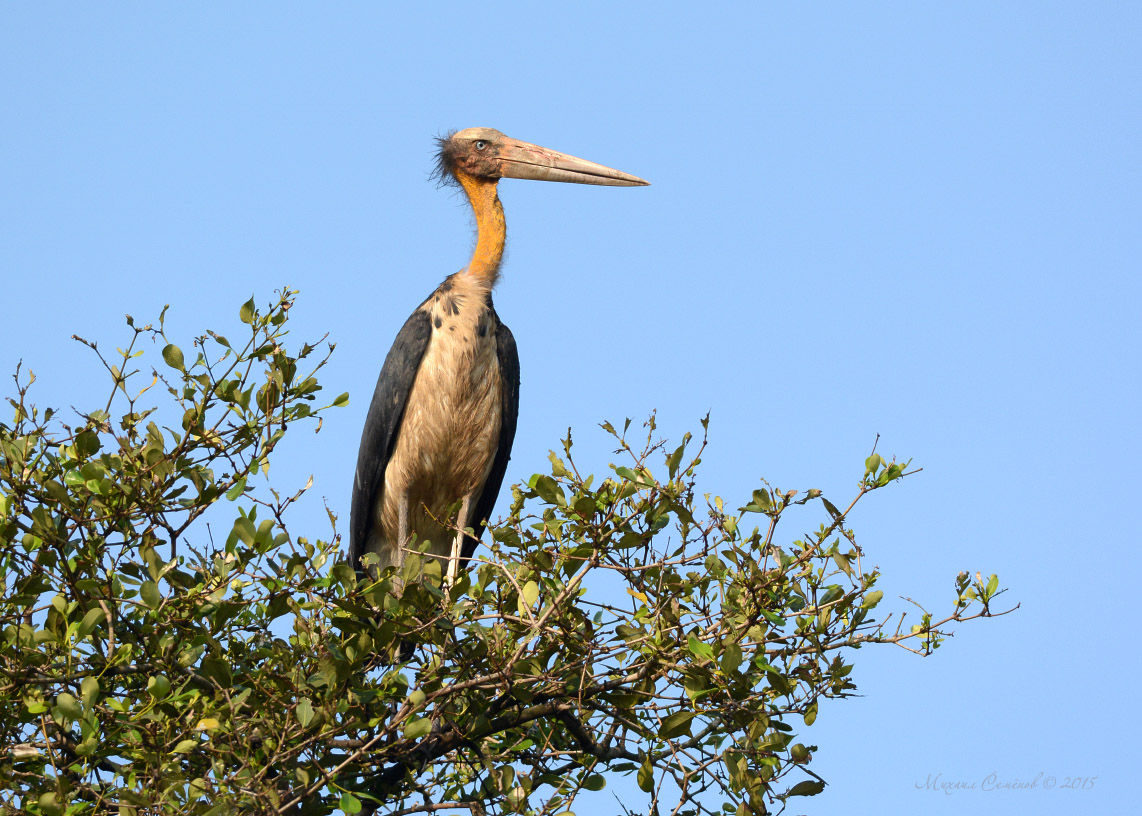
(485, 153)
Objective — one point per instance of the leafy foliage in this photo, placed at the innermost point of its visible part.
(628, 626)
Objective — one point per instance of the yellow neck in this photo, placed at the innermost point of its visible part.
(491, 228)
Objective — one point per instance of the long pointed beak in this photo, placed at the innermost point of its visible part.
(527, 161)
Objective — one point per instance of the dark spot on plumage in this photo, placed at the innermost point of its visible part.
(449, 304)
(488, 301)
(482, 326)
(451, 328)
(438, 322)
(447, 285)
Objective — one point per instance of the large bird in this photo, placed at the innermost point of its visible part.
(440, 427)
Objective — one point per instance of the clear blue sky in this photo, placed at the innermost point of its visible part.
(917, 220)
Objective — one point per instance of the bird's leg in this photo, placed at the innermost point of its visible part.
(403, 524)
(458, 542)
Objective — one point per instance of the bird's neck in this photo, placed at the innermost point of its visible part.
(491, 228)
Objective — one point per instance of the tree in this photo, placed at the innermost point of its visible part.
(616, 626)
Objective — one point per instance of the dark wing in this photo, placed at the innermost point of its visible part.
(509, 406)
(382, 425)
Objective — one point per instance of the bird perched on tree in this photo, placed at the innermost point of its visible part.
(440, 427)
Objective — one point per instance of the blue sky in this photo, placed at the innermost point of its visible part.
(913, 220)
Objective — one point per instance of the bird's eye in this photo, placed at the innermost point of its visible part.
(481, 144)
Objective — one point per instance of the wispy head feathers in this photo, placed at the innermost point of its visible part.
(444, 173)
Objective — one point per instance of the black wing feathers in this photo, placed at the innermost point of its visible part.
(382, 424)
(509, 401)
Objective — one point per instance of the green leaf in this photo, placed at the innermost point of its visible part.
(244, 529)
(34, 706)
(70, 706)
(350, 803)
(640, 479)
(779, 682)
(700, 649)
(761, 502)
(585, 506)
(341, 400)
(89, 689)
(172, 354)
(676, 724)
(86, 443)
(871, 599)
(216, 669)
(549, 490)
(595, 782)
(246, 313)
(418, 728)
(772, 617)
(185, 746)
(675, 459)
(149, 592)
(158, 686)
(557, 467)
(530, 593)
(646, 776)
(811, 714)
(237, 490)
(304, 712)
(832, 592)
(57, 491)
(810, 787)
(731, 658)
(93, 618)
(833, 511)
(49, 804)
